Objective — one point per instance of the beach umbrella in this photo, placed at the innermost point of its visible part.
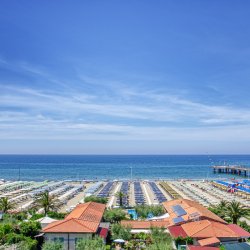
(119, 241)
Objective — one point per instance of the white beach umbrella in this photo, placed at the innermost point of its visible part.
(119, 241)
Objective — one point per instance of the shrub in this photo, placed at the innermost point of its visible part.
(23, 243)
(36, 216)
(182, 241)
(56, 215)
(159, 235)
(5, 229)
(120, 232)
(30, 228)
(244, 225)
(96, 199)
(21, 216)
(87, 244)
(160, 246)
(28, 244)
(52, 245)
(13, 238)
(114, 215)
(144, 210)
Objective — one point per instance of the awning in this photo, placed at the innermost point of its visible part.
(209, 241)
(39, 235)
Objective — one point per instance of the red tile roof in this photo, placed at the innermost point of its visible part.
(201, 248)
(239, 231)
(85, 218)
(176, 231)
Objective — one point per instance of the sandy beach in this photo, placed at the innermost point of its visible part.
(72, 193)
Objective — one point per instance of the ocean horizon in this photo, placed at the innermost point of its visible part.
(98, 167)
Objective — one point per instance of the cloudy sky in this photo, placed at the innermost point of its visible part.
(125, 77)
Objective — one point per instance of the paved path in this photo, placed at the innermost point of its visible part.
(112, 199)
(146, 193)
(132, 195)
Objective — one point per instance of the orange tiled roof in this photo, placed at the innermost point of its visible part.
(144, 224)
(71, 225)
(207, 229)
(209, 241)
(191, 207)
(91, 211)
(85, 218)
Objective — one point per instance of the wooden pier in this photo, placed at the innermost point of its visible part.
(234, 170)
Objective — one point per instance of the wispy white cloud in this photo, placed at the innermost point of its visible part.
(143, 106)
(115, 110)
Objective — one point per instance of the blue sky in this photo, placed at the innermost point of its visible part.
(124, 77)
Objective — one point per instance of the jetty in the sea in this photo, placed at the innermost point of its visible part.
(234, 170)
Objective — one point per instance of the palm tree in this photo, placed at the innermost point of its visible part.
(235, 210)
(220, 209)
(120, 195)
(47, 202)
(6, 205)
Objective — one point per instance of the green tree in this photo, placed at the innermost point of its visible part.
(114, 215)
(235, 210)
(87, 244)
(30, 228)
(96, 199)
(51, 245)
(6, 205)
(47, 202)
(120, 196)
(5, 229)
(120, 232)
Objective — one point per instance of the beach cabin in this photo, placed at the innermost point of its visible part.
(83, 222)
(143, 226)
(45, 221)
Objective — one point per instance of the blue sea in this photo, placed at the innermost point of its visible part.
(97, 167)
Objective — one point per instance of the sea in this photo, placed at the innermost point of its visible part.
(115, 167)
